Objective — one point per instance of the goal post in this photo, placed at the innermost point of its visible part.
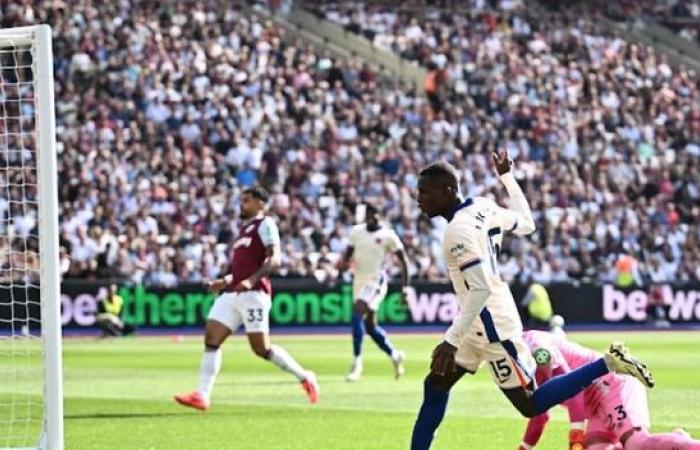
(31, 382)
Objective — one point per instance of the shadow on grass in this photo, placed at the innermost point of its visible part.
(134, 415)
(290, 382)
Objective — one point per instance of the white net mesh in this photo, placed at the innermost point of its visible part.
(21, 368)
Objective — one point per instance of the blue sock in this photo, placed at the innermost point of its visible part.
(358, 332)
(563, 387)
(429, 417)
(379, 336)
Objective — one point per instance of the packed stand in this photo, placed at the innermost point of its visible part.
(166, 113)
(681, 16)
(605, 133)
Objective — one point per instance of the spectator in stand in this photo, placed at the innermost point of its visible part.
(165, 113)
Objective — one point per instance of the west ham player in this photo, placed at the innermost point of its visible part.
(246, 301)
(488, 326)
(369, 245)
(616, 407)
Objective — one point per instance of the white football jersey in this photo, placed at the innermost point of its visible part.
(471, 247)
(370, 249)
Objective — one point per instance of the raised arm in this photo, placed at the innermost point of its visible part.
(518, 218)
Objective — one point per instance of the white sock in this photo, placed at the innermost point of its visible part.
(279, 357)
(208, 370)
(357, 361)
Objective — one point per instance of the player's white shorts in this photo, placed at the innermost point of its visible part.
(250, 309)
(510, 361)
(370, 290)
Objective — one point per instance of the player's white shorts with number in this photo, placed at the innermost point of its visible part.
(250, 309)
(370, 290)
(509, 361)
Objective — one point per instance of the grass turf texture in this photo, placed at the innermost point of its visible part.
(118, 395)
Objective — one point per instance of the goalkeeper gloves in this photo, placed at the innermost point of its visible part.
(576, 439)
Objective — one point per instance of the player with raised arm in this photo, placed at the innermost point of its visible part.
(488, 327)
(246, 301)
(615, 406)
(369, 244)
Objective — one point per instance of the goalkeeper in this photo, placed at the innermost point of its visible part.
(615, 406)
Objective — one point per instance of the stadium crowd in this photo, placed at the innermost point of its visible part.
(166, 112)
(681, 16)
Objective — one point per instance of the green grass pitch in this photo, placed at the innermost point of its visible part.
(118, 395)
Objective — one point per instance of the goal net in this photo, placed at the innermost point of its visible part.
(30, 336)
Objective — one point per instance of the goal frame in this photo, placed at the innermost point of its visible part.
(40, 37)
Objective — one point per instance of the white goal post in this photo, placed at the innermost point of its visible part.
(31, 381)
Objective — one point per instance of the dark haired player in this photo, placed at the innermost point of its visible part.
(488, 327)
(370, 242)
(246, 301)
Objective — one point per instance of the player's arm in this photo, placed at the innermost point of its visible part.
(344, 263)
(533, 431)
(475, 274)
(464, 253)
(395, 245)
(403, 262)
(220, 284)
(518, 219)
(346, 260)
(271, 263)
(577, 413)
(576, 406)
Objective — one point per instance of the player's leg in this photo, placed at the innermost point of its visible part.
(255, 309)
(378, 334)
(223, 319)
(214, 335)
(513, 367)
(641, 439)
(277, 355)
(628, 411)
(531, 402)
(599, 435)
(359, 311)
(380, 337)
(604, 446)
(436, 393)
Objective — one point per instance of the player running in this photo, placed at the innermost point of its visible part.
(616, 407)
(369, 245)
(488, 326)
(246, 301)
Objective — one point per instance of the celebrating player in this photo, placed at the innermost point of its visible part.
(488, 327)
(246, 301)
(369, 244)
(616, 407)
